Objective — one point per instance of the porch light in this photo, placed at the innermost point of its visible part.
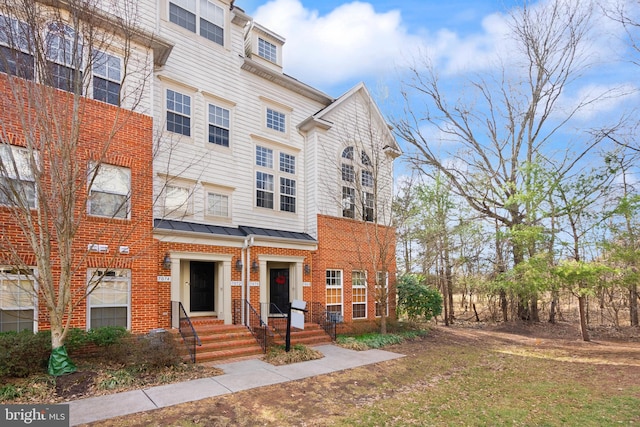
(255, 266)
(239, 265)
(166, 262)
(307, 269)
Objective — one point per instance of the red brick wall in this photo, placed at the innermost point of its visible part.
(347, 245)
(130, 146)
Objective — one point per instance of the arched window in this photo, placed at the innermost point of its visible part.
(357, 195)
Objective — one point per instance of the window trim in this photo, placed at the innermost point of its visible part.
(93, 176)
(199, 16)
(217, 125)
(97, 56)
(10, 174)
(283, 171)
(91, 273)
(178, 113)
(386, 285)
(185, 209)
(361, 286)
(8, 273)
(333, 286)
(267, 50)
(275, 120)
(212, 192)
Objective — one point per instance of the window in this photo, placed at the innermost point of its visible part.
(368, 207)
(64, 54)
(176, 200)
(353, 168)
(109, 303)
(17, 305)
(267, 50)
(359, 294)
(348, 173)
(212, 22)
(287, 195)
(276, 120)
(348, 202)
(183, 13)
(334, 291)
(218, 125)
(264, 157)
(382, 293)
(264, 192)
(178, 113)
(217, 205)
(367, 178)
(110, 191)
(16, 57)
(211, 18)
(106, 78)
(287, 163)
(17, 183)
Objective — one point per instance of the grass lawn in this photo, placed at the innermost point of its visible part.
(452, 376)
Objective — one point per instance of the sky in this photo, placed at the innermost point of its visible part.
(334, 44)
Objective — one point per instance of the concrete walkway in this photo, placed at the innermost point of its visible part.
(237, 376)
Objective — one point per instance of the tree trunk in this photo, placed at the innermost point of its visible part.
(504, 305)
(554, 305)
(535, 313)
(633, 304)
(583, 318)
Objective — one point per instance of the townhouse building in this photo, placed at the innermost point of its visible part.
(252, 189)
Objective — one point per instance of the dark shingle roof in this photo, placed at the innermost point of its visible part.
(242, 231)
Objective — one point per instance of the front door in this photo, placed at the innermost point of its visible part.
(201, 289)
(279, 290)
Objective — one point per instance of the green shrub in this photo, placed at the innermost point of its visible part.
(23, 353)
(417, 300)
(106, 336)
(9, 392)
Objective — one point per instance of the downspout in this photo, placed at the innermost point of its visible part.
(243, 306)
(249, 241)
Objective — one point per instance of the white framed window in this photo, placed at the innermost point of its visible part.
(287, 163)
(357, 182)
(110, 191)
(267, 50)
(109, 304)
(334, 291)
(264, 157)
(264, 190)
(348, 202)
(287, 195)
(217, 204)
(17, 57)
(64, 53)
(199, 16)
(17, 182)
(107, 77)
(359, 294)
(178, 113)
(382, 289)
(276, 120)
(17, 300)
(177, 200)
(218, 118)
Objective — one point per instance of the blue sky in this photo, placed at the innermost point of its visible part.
(334, 44)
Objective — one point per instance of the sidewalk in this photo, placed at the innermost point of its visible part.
(237, 376)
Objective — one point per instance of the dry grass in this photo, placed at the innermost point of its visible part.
(298, 353)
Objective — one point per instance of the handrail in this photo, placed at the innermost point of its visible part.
(257, 327)
(279, 322)
(325, 319)
(187, 331)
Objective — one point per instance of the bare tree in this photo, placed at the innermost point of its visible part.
(59, 150)
(364, 168)
(507, 121)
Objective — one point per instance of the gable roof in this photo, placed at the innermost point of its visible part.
(320, 119)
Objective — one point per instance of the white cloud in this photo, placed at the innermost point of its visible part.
(351, 42)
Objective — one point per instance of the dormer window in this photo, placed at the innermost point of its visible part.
(267, 50)
(199, 16)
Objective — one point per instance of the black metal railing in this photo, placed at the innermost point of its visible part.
(257, 327)
(187, 331)
(277, 319)
(327, 320)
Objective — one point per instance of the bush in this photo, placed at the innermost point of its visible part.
(417, 300)
(24, 353)
(106, 336)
